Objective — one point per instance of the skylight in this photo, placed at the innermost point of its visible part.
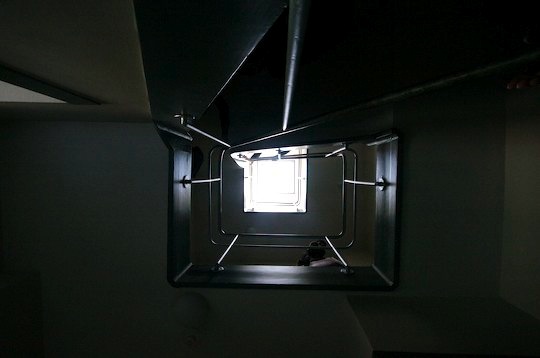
(275, 181)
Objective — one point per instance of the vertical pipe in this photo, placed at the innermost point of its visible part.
(298, 10)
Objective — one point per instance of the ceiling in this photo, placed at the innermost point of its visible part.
(353, 52)
(362, 50)
(86, 47)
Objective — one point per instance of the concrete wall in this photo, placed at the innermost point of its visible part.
(520, 261)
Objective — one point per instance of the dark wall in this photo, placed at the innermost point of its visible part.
(85, 205)
(21, 326)
(452, 185)
(452, 327)
(520, 261)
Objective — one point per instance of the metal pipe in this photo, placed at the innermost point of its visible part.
(227, 251)
(185, 181)
(380, 183)
(404, 94)
(335, 152)
(360, 182)
(292, 156)
(172, 131)
(207, 135)
(298, 10)
(199, 181)
(335, 251)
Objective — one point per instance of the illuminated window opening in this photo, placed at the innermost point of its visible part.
(275, 183)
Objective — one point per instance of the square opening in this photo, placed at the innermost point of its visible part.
(275, 181)
(324, 196)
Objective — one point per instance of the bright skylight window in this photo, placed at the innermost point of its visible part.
(273, 183)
